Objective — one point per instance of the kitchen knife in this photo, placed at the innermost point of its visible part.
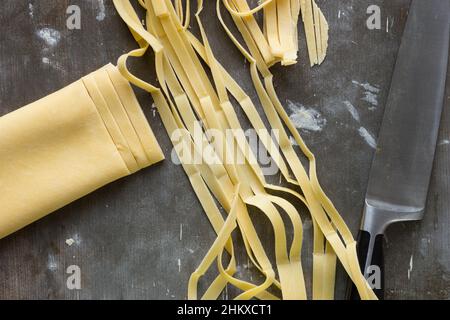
(401, 170)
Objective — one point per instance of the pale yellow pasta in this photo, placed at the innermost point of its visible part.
(187, 95)
(70, 143)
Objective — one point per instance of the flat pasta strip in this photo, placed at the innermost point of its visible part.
(317, 200)
(249, 229)
(316, 29)
(189, 100)
(277, 41)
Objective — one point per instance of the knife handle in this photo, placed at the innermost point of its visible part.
(371, 260)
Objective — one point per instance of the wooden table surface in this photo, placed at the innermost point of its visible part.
(127, 236)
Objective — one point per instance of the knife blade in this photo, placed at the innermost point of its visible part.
(402, 166)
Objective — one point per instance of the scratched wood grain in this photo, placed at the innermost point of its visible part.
(128, 238)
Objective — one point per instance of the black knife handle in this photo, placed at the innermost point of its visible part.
(373, 271)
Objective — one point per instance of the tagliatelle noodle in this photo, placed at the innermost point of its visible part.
(280, 32)
(295, 218)
(324, 260)
(321, 273)
(217, 112)
(279, 26)
(288, 270)
(316, 29)
(259, 251)
(314, 194)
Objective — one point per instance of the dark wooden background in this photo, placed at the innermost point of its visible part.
(127, 235)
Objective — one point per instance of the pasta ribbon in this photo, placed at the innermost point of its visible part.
(195, 95)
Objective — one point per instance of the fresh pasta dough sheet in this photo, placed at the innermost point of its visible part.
(70, 143)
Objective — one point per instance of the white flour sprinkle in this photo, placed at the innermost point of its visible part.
(371, 98)
(370, 94)
(31, 10)
(102, 11)
(52, 265)
(77, 239)
(53, 64)
(367, 86)
(306, 118)
(50, 36)
(368, 137)
(389, 24)
(410, 267)
(352, 110)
